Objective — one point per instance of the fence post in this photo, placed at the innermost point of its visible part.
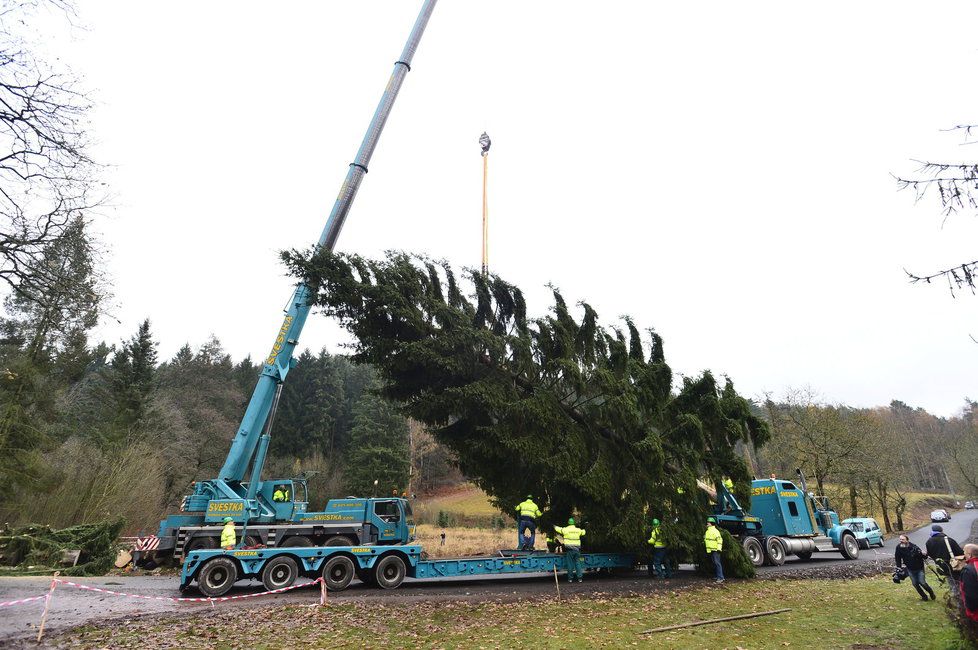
(47, 604)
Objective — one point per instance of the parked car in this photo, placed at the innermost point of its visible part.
(940, 515)
(867, 531)
(969, 505)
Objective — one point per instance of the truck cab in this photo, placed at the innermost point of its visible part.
(385, 521)
(784, 519)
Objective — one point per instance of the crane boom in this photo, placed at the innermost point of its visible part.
(242, 455)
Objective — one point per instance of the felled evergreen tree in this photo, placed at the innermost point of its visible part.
(583, 417)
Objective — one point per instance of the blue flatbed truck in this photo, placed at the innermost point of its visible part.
(216, 571)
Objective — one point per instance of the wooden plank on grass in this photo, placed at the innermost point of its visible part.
(715, 620)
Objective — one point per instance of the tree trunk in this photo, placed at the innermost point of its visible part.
(883, 498)
(853, 510)
(901, 505)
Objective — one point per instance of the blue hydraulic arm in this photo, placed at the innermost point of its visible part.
(242, 457)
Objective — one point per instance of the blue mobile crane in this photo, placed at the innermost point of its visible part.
(239, 491)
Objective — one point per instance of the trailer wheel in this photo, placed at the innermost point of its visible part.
(279, 573)
(804, 555)
(296, 541)
(754, 550)
(774, 549)
(389, 572)
(849, 547)
(338, 572)
(339, 540)
(217, 576)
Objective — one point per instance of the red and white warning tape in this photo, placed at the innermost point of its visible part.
(185, 600)
(21, 601)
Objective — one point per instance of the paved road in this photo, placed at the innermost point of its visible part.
(71, 607)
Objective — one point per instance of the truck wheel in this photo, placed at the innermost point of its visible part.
(200, 543)
(754, 550)
(296, 541)
(217, 576)
(775, 552)
(849, 547)
(804, 555)
(339, 540)
(389, 572)
(338, 572)
(279, 573)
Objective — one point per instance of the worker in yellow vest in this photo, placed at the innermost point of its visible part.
(572, 549)
(281, 493)
(228, 538)
(714, 545)
(728, 483)
(527, 513)
(659, 566)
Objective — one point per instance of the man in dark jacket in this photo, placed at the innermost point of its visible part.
(937, 549)
(910, 556)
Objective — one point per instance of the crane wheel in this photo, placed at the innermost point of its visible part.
(774, 550)
(217, 576)
(849, 546)
(338, 572)
(200, 543)
(296, 541)
(279, 573)
(389, 572)
(754, 550)
(339, 540)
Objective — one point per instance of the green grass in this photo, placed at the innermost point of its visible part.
(864, 613)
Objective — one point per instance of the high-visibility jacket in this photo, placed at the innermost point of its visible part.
(528, 509)
(228, 538)
(572, 534)
(713, 539)
(280, 495)
(728, 483)
(655, 539)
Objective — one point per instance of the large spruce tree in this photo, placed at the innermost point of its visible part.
(585, 418)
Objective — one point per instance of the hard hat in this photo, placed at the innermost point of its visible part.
(711, 520)
(570, 522)
(227, 519)
(529, 496)
(655, 522)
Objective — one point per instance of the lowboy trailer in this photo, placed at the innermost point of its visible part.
(216, 571)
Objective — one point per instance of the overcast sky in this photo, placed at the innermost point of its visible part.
(720, 171)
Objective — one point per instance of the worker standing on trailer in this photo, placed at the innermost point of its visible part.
(572, 549)
(554, 545)
(228, 538)
(527, 511)
(659, 566)
(714, 545)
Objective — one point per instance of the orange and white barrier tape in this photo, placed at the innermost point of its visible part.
(21, 601)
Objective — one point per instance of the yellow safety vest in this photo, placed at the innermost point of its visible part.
(655, 539)
(280, 496)
(713, 539)
(572, 534)
(228, 538)
(528, 509)
(727, 483)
